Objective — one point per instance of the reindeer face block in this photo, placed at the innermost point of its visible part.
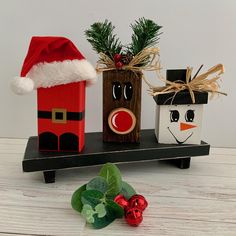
(178, 121)
(121, 106)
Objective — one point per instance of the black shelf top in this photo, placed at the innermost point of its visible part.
(97, 152)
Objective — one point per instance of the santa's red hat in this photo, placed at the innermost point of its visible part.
(52, 61)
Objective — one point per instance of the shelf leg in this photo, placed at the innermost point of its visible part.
(49, 176)
(183, 163)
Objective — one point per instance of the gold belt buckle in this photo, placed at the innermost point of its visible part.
(59, 115)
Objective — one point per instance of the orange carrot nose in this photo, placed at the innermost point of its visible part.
(185, 126)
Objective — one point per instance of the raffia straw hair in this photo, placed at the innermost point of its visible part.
(200, 83)
(136, 64)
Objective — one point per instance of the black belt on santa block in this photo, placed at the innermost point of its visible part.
(62, 115)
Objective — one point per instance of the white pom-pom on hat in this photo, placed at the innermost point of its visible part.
(22, 85)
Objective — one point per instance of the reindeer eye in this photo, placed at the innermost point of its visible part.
(174, 116)
(116, 90)
(128, 91)
(189, 116)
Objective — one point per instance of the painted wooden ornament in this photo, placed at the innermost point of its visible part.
(178, 120)
(121, 106)
(59, 72)
(122, 67)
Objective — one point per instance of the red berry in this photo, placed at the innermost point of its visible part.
(133, 216)
(138, 201)
(122, 201)
(119, 65)
(117, 57)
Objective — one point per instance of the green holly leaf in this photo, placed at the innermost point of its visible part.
(92, 197)
(99, 183)
(113, 177)
(113, 208)
(100, 210)
(76, 199)
(127, 190)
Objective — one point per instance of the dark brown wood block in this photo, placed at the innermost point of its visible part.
(121, 94)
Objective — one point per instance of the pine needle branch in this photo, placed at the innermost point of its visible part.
(145, 34)
(102, 39)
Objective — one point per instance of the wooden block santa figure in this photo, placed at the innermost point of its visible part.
(179, 105)
(60, 73)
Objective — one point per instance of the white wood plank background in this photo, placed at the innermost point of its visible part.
(199, 201)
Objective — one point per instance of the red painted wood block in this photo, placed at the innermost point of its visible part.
(61, 112)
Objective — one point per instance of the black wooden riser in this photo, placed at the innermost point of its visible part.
(96, 152)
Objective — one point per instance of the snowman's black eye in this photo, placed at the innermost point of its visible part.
(116, 90)
(128, 91)
(174, 116)
(189, 116)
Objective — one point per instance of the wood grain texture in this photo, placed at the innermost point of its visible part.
(200, 201)
(110, 104)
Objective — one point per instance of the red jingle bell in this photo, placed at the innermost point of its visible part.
(122, 201)
(117, 57)
(138, 201)
(133, 216)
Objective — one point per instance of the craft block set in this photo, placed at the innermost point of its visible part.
(60, 73)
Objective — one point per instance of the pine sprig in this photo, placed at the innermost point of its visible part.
(145, 34)
(102, 39)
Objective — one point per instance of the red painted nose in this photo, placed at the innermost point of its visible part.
(185, 126)
(121, 121)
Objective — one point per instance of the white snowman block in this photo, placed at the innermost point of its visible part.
(178, 119)
(179, 124)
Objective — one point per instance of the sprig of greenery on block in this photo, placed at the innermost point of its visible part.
(145, 34)
(102, 39)
(94, 200)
